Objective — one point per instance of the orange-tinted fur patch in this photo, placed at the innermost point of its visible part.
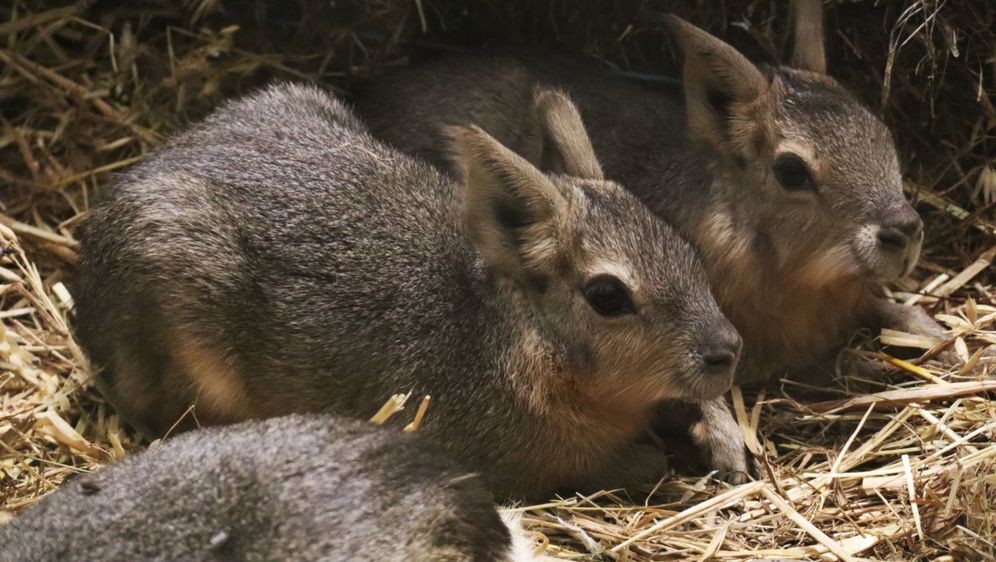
(219, 391)
(593, 424)
(788, 316)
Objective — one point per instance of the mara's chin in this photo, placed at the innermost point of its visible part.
(888, 268)
(885, 265)
(703, 388)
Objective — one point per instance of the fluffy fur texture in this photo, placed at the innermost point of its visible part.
(299, 487)
(276, 258)
(796, 270)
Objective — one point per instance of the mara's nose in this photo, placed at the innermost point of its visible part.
(720, 354)
(900, 227)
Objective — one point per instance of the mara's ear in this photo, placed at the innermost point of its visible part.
(512, 212)
(716, 77)
(566, 146)
(806, 38)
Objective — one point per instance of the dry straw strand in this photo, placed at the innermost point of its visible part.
(893, 466)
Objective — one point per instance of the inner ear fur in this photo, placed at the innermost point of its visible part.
(512, 212)
(806, 36)
(567, 147)
(727, 97)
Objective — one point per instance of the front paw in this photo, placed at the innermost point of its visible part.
(917, 321)
(909, 319)
(724, 450)
(718, 437)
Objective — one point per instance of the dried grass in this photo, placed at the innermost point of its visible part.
(899, 465)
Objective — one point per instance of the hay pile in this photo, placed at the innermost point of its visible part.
(896, 466)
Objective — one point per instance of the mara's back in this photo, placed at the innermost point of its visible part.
(293, 488)
(624, 117)
(409, 107)
(622, 114)
(234, 250)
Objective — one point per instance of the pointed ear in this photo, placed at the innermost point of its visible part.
(566, 146)
(716, 77)
(807, 36)
(512, 212)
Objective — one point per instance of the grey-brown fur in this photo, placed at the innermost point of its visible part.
(276, 258)
(796, 272)
(301, 487)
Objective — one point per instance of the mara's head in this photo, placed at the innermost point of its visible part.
(617, 291)
(811, 173)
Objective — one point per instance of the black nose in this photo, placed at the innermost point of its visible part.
(720, 360)
(902, 227)
(893, 238)
(720, 355)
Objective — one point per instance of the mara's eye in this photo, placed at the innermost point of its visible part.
(793, 173)
(608, 296)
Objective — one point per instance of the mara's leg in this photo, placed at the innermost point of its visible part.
(713, 433)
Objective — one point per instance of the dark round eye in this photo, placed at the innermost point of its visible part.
(793, 173)
(608, 296)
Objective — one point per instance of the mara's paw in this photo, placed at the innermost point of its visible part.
(718, 437)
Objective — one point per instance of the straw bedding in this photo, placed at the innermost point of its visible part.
(895, 464)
